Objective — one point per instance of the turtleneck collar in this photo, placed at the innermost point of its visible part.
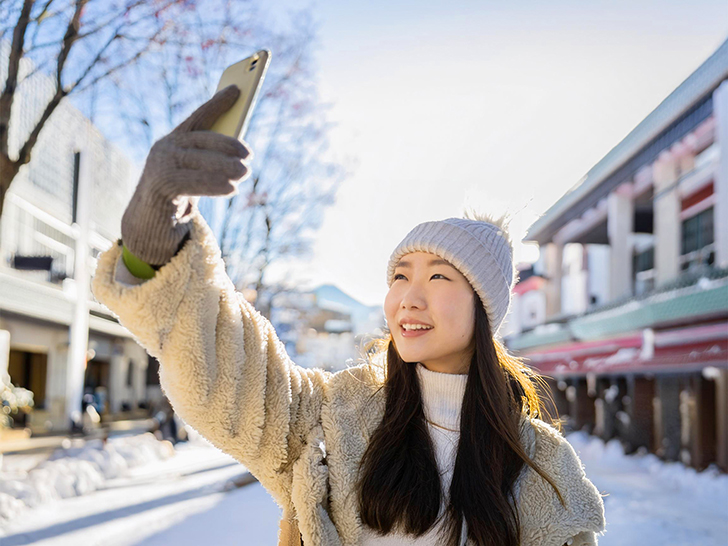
(442, 396)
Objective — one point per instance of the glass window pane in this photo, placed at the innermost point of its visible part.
(707, 235)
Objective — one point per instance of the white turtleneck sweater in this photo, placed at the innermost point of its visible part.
(442, 396)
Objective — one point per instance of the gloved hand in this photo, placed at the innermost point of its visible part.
(189, 162)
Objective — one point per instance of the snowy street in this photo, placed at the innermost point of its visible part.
(653, 503)
(189, 499)
(186, 499)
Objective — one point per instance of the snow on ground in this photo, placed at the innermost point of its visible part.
(188, 500)
(189, 495)
(75, 471)
(651, 502)
(245, 516)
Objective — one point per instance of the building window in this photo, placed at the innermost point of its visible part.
(152, 370)
(130, 374)
(697, 240)
(29, 371)
(645, 260)
(643, 264)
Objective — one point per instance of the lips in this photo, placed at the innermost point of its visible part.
(413, 333)
(412, 320)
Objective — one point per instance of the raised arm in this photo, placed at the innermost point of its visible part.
(221, 364)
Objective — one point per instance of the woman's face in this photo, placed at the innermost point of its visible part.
(428, 289)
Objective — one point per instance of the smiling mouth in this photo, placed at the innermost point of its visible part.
(414, 333)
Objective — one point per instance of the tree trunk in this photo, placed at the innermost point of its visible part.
(8, 170)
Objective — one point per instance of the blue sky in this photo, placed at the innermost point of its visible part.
(497, 106)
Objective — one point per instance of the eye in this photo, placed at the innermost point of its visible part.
(435, 275)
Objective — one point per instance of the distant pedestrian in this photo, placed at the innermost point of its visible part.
(166, 425)
(434, 438)
(90, 418)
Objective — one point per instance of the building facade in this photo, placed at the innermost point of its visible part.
(628, 303)
(68, 200)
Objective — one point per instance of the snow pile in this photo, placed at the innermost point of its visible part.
(596, 456)
(76, 471)
(650, 502)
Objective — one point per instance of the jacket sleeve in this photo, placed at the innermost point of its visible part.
(544, 520)
(587, 538)
(222, 366)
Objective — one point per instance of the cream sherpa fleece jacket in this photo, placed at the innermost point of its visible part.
(301, 432)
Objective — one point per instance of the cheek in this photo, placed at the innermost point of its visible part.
(459, 314)
(390, 306)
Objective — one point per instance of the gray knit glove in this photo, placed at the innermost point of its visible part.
(189, 162)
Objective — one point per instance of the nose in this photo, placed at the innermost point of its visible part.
(413, 298)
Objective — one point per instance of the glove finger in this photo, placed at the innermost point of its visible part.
(206, 115)
(198, 183)
(205, 160)
(209, 140)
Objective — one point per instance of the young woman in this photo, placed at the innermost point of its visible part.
(432, 439)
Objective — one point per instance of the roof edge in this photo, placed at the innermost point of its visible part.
(703, 80)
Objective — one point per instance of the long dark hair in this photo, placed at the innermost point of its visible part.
(399, 485)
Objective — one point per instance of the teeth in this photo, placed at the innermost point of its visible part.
(416, 327)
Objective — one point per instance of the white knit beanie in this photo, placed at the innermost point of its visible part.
(481, 250)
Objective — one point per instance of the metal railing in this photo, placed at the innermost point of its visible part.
(27, 230)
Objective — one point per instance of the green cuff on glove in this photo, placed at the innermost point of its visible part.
(140, 268)
(137, 267)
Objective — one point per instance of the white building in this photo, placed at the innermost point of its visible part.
(41, 228)
(630, 296)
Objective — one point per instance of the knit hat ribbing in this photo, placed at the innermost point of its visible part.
(480, 250)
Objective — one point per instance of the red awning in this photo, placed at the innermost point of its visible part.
(684, 349)
(531, 283)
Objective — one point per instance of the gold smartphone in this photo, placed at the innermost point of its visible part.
(248, 76)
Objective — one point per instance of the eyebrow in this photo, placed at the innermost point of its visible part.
(436, 261)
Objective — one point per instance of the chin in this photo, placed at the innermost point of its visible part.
(413, 354)
(413, 357)
(411, 360)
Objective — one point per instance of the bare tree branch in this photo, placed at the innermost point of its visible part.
(111, 70)
(16, 52)
(110, 20)
(291, 184)
(67, 44)
(40, 18)
(68, 40)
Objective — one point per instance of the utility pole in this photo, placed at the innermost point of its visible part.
(78, 335)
